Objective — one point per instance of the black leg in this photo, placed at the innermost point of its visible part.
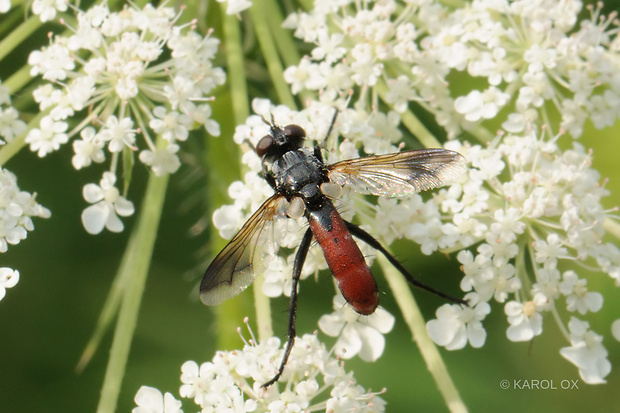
(370, 240)
(298, 264)
(331, 125)
(321, 145)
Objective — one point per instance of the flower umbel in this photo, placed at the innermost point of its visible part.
(111, 73)
(528, 216)
(233, 381)
(17, 208)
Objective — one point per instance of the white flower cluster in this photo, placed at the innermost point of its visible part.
(126, 74)
(233, 380)
(47, 9)
(537, 210)
(528, 217)
(17, 208)
(528, 53)
(10, 123)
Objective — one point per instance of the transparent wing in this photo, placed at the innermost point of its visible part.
(234, 268)
(399, 173)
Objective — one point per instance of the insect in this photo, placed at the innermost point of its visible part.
(299, 176)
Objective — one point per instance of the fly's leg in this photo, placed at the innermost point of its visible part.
(370, 240)
(298, 264)
(321, 145)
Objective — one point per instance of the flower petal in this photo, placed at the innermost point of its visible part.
(94, 218)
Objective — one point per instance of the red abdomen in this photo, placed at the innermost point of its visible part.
(344, 258)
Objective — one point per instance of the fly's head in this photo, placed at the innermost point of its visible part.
(273, 146)
(280, 141)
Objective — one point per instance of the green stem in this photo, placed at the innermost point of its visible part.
(262, 307)
(134, 269)
(218, 158)
(419, 130)
(285, 43)
(416, 324)
(106, 317)
(18, 35)
(236, 71)
(259, 11)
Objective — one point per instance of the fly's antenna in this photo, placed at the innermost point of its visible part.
(272, 123)
(249, 143)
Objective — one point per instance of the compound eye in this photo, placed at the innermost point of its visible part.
(294, 131)
(264, 145)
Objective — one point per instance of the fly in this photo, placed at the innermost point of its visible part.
(300, 176)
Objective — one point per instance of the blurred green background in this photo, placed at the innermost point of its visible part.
(47, 319)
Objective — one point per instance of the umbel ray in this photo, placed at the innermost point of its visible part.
(300, 176)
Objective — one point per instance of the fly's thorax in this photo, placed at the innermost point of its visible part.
(299, 173)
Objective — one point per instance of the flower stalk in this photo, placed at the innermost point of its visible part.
(417, 326)
(133, 273)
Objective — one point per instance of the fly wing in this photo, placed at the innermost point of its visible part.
(399, 174)
(233, 270)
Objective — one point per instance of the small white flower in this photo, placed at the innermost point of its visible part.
(150, 400)
(479, 105)
(400, 93)
(304, 76)
(119, 133)
(236, 6)
(171, 125)
(587, 352)
(539, 58)
(577, 295)
(163, 160)
(228, 219)
(88, 149)
(500, 252)
(46, 9)
(48, 138)
(525, 318)
(356, 334)
(8, 279)
(507, 224)
(548, 284)
(277, 277)
(108, 204)
(329, 47)
(549, 252)
(432, 234)
(46, 95)
(51, 62)
(475, 269)
(202, 115)
(10, 124)
(456, 325)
